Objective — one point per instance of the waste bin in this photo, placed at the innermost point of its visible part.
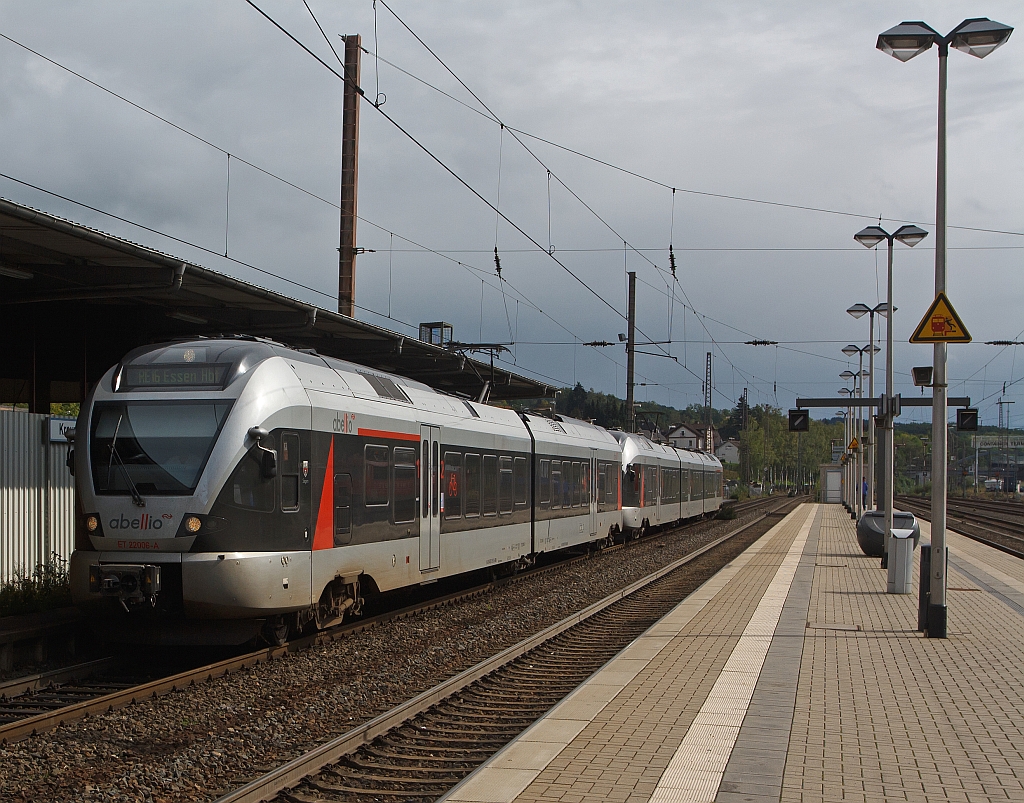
(871, 527)
(901, 560)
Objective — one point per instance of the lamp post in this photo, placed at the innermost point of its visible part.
(858, 311)
(851, 464)
(871, 237)
(978, 37)
(871, 350)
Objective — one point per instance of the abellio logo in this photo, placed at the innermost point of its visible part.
(145, 522)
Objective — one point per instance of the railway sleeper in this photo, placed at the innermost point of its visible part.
(509, 698)
(355, 764)
(527, 675)
(455, 714)
(377, 794)
(402, 776)
(298, 797)
(526, 679)
(432, 747)
(471, 757)
(487, 703)
(444, 725)
(426, 741)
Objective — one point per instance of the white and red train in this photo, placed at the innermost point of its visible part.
(235, 486)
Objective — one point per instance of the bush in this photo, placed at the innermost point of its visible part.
(727, 512)
(46, 588)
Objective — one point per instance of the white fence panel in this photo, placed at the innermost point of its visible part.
(37, 495)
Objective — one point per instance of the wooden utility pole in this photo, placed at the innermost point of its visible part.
(630, 346)
(349, 177)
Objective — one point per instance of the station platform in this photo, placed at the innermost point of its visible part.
(792, 675)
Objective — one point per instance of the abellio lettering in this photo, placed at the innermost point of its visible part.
(145, 522)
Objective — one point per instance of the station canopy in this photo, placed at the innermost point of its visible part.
(74, 301)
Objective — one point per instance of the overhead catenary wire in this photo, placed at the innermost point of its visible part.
(665, 184)
(419, 247)
(190, 244)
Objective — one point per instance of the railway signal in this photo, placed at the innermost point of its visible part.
(967, 420)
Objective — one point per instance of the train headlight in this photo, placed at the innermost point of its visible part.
(192, 524)
(92, 523)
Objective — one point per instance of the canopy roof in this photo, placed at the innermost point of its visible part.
(74, 300)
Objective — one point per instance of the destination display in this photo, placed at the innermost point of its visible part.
(175, 375)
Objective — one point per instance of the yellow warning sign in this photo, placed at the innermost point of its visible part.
(854, 445)
(941, 324)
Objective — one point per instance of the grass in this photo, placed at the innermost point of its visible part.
(46, 588)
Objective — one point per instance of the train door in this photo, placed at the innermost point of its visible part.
(593, 491)
(430, 498)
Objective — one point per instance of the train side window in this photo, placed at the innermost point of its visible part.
(544, 483)
(249, 489)
(586, 484)
(376, 476)
(684, 484)
(556, 484)
(290, 472)
(342, 509)
(522, 481)
(505, 484)
(577, 483)
(490, 485)
(602, 479)
(405, 484)
(567, 483)
(452, 485)
(472, 502)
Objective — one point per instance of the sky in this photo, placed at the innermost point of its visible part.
(780, 127)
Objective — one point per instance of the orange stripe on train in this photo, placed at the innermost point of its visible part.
(383, 433)
(323, 536)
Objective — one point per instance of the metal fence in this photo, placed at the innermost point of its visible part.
(37, 492)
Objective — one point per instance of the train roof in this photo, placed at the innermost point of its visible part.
(231, 358)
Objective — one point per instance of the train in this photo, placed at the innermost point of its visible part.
(235, 489)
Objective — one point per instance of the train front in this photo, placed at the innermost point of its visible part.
(166, 447)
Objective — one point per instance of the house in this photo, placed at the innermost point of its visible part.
(728, 451)
(690, 436)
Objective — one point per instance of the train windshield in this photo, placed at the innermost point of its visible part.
(153, 448)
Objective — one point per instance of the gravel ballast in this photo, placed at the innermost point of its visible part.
(200, 742)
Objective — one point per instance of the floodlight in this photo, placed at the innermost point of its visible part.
(980, 36)
(909, 235)
(906, 40)
(871, 236)
(858, 310)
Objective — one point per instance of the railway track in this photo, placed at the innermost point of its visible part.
(424, 747)
(39, 703)
(999, 525)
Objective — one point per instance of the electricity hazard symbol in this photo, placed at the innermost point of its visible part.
(854, 445)
(941, 324)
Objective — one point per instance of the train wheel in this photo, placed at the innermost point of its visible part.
(275, 631)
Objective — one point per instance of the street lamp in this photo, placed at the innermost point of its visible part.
(852, 466)
(858, 426)
(868, 443)
(871, 237)
(858, 311)
(977, 37)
